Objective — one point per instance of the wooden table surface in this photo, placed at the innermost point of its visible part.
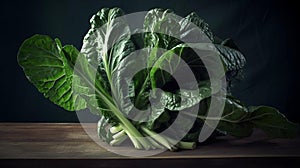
(67, 144)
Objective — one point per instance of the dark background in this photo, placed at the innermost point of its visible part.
(265, 31)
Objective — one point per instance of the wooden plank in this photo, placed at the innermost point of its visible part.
(69, 141)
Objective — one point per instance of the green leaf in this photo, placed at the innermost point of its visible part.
(162, 27)
(233, 120)
(106, 44)
(50, 70)
(162, 102)
(184, 99)
(106, 30)
(231, 56)
(158, 118)
(164, 67)
(190, 26)
(233, 60)
(272, 122)
(239, 121)
(127, 86)
(172, 61)
(83, 83)
(169, 27)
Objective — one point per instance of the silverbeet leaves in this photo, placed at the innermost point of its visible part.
(50, 70)
(94, 78)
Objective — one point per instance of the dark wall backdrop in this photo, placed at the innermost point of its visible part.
(265, 31)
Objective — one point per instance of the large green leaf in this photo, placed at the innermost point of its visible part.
(191, 29)
(106, 44)
(49, 66)
(97, 41)
(162, 28)
(129, 79)
(271, 121)
(85, 85)
(239, 121)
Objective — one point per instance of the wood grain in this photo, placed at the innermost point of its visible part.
(70, 141)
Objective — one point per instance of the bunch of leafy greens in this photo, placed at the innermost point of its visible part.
(98, 77)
